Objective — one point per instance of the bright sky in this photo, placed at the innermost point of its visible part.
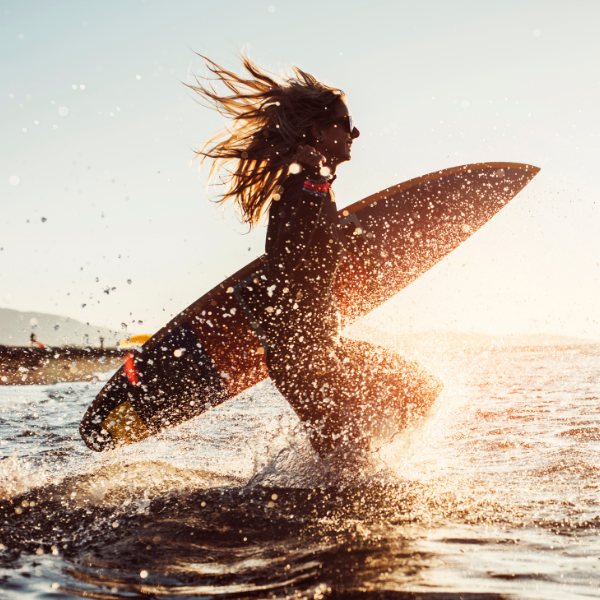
(96, 186)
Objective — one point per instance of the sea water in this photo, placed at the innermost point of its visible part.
(496, 494)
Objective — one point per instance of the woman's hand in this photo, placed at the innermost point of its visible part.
(310, 160)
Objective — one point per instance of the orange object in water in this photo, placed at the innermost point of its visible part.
(130, 370)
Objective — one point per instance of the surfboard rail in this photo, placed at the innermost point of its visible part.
(405, 185)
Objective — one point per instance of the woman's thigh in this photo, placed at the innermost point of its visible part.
(387, 380)
(346, 389)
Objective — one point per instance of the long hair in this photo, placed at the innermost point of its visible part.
(269, 117)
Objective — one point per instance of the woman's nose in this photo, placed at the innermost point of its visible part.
(355, 133)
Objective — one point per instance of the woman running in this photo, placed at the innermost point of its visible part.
(279, 155)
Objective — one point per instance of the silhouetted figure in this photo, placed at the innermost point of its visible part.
(282, 136)
(34, 342)
(101, 343)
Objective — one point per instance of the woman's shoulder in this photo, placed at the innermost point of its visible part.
(293, 182)
(294, 194)
(292, 188)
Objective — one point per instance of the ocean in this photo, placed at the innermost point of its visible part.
(495, 495)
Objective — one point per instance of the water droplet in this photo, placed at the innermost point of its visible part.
(143, 574)
(138, 77)
(33, 322)
(271, 8)
(123, 325)
(537, 33)
(14, 180)
(82, 87)
(44, 219)
(63, 111)
(129, 281)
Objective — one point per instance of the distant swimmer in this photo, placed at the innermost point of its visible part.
(279, 156)
(34, 342)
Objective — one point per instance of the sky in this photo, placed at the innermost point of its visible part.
(104, 218)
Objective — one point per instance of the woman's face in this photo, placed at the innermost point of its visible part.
(337, 137)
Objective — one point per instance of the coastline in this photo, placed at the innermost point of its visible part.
(20, 365)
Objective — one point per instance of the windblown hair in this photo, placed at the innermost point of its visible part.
(270, 116)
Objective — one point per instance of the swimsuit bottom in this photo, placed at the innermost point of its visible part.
(349, 392)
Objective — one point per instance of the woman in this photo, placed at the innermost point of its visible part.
(285, 143)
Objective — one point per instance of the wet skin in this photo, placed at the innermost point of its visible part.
(336, 146)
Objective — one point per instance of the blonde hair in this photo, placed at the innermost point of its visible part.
(270, 116)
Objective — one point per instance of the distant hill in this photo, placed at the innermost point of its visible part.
(54, 330)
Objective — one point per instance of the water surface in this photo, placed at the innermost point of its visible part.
(496, 495)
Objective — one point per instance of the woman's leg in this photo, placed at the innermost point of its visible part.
(343, 390)
(316, 384)
(396, 385)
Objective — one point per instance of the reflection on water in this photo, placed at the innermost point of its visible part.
(496, 495)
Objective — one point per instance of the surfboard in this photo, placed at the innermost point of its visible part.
(215, 349)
